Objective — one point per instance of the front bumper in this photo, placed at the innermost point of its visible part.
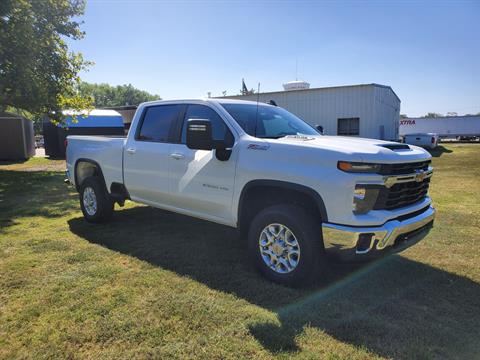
(67, 177)
(351, 243)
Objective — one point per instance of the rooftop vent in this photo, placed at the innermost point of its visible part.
(296, 85)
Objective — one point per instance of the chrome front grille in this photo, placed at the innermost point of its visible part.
(402, 194)
(405, 184)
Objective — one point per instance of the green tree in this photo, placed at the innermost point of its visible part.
(104, 95)
(432, 115)
(38, 73)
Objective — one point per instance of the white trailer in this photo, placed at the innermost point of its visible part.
(444, 127)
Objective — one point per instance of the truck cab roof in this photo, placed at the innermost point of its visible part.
(206, 100)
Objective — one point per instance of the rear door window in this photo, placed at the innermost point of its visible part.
(158, 123)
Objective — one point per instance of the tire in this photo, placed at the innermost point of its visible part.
(96, 207)
(310, 262)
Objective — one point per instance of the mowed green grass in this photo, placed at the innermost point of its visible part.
(152, 284)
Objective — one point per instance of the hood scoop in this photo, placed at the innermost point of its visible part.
(396, 147)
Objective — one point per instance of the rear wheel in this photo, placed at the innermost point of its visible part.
(96, 204)
(286, 245)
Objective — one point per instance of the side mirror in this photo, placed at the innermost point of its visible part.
(319, 128)
(199, 134)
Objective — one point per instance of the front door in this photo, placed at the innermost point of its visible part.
(200, 183)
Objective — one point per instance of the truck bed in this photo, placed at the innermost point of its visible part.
(105, 150)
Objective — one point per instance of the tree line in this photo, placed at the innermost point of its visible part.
(434, 115)
(105, 95)
(39, 75)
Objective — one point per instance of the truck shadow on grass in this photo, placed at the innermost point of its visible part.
(394, 307)
(439, 151)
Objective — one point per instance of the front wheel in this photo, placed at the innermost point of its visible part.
(96, 204)
(286, 245)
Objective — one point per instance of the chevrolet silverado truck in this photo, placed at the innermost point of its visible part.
(298, 197)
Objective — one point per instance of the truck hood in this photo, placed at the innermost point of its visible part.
(359, 149)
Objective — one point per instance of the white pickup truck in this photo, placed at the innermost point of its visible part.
(296, 195)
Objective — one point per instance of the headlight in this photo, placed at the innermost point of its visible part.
(364, 198)
(358, 167)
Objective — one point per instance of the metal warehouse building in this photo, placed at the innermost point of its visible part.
(367, 110)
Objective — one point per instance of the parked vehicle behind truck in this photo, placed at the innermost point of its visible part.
(425, 140)
(298, 197)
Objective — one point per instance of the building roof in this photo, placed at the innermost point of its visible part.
(123, 107)
(324, 88)
(93, 118)
(94, 112)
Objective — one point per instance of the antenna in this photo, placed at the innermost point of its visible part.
(256, 114)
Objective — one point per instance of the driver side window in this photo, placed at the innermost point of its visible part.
(220, 131)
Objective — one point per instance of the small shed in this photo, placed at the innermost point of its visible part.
(94, 122)
(17, 140)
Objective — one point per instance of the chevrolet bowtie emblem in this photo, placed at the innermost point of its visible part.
(420, 175)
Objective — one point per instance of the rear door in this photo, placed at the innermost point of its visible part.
(200, 183)
(147, 154)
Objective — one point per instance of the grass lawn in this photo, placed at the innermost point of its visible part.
(153, 284)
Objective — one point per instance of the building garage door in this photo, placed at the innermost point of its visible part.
(348, 127)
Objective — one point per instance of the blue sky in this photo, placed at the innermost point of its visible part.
(428, 52)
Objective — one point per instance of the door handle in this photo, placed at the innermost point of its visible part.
(131, 150)
(177, 156)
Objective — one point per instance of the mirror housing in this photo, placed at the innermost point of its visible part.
(199, 137)
(319, 128)
(199, 134)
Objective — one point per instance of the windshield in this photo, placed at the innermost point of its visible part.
(271, 122)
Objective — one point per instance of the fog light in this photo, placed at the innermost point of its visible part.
(364, 242)
(364, 198)
(359, 193)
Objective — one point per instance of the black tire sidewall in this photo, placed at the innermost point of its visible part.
(104, 203)
(308, 235)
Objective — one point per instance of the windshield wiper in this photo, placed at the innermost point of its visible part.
(274, 137)
(297, 135)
